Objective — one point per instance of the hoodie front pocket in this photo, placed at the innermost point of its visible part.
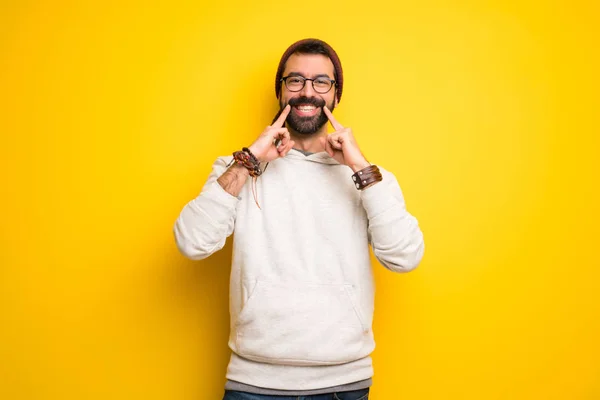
(302, 324)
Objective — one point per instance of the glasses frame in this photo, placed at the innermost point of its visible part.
(284, 80)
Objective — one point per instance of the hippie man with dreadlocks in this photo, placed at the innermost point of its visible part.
(302, 287)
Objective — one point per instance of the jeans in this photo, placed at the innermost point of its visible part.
(361, 394)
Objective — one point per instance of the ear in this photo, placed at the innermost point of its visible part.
(336, 101)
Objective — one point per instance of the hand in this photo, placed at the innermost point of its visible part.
(342, 146)
(264, 148)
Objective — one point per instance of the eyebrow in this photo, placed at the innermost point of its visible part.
(316, 76)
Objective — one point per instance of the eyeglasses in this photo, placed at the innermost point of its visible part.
(295, 83)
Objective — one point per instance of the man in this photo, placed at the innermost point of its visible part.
(302, 288)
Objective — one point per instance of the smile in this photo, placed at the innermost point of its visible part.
(305, 110)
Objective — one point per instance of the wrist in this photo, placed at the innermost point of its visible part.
(239, 169)
(255, 152)
(359, 165)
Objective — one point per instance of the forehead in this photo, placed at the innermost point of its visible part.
(309, 65)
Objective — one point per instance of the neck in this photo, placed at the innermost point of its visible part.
(309, 143)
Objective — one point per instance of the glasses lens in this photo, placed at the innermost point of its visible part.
(322, 85)
(294, 83)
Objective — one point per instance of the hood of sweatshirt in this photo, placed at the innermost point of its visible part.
(321, 157)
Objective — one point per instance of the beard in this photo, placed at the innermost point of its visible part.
(307, 125)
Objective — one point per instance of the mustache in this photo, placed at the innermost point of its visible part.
(300, 100)
(314, 101)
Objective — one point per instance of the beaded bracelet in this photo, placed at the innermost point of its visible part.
(246, 159)
(367, 177)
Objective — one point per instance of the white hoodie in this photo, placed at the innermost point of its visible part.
(302, 288)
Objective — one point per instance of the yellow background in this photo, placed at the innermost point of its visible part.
(111, 114)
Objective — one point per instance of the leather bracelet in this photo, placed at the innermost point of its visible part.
(367, 177)
(246, 159)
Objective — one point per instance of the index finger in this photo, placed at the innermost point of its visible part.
(281, 120)
(336, 125)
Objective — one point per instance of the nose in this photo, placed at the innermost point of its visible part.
(308, 90)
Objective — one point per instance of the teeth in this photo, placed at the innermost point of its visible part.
(306, 108)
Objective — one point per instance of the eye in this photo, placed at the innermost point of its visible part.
(295, 80)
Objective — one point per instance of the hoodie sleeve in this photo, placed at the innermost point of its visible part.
(394, 234)
(205, 222)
